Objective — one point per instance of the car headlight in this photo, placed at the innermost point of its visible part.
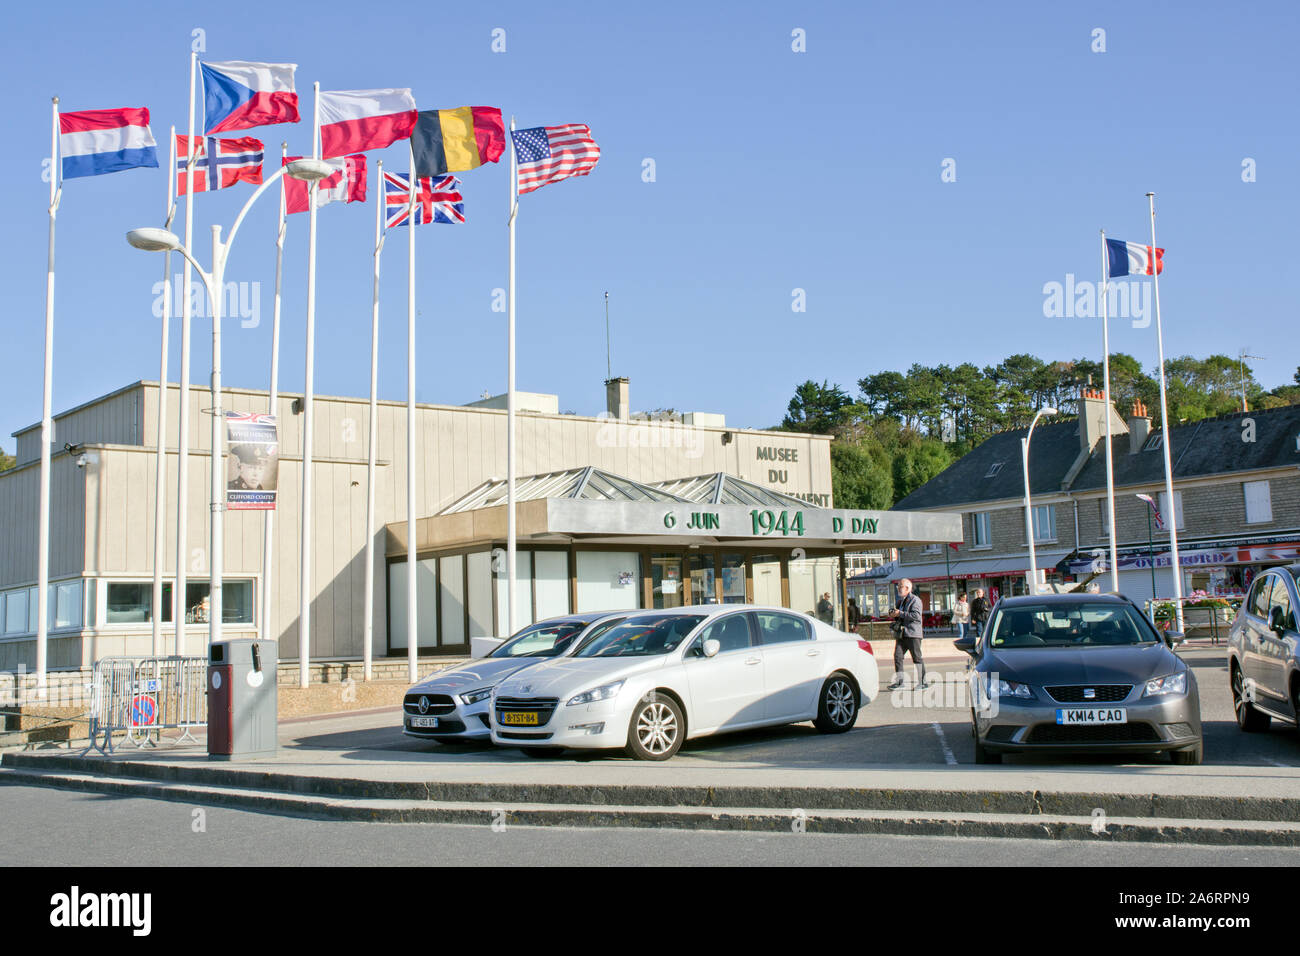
(603, 692)
(1173, 684)
(474, 696)
(1009, 688)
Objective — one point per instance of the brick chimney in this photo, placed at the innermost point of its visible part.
(1139, 427)
(616, 398)
(1092, 429)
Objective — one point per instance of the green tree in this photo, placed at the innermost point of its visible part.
(858, 478)
(6, 461)
(816, 408)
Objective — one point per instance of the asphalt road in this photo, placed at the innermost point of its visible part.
(40, 827)
(928, 729)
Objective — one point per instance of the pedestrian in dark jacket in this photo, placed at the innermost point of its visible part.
(909, 633)
(979, 612)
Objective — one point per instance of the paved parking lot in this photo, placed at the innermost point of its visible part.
(930, 729)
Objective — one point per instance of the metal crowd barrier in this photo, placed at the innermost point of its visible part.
(140, 696)
(1199, 622)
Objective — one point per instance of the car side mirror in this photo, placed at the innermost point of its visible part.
(966, 644)
(1174, 638)
(711, 648)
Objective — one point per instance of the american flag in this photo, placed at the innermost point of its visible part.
(219, 163)
(1160, 522)
(437, 199)
(547, 154)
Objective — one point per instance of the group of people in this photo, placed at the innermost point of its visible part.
(906, 619)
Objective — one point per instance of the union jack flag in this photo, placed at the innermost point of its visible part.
(437, 199)
(1160, 521)
(219, 163)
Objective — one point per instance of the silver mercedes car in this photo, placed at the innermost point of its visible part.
(453, 704)
(1082, 673)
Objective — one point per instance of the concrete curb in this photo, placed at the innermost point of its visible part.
(781, 799)
(884, 822)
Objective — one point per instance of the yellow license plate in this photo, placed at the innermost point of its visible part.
(521, 718)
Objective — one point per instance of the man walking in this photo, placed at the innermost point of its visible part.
(906, 623)
(979, 612)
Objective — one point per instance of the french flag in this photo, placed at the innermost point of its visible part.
(93, 142)
(354, 121)
(241, 95)
(1132, 259)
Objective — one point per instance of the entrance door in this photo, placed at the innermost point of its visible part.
(666, 580)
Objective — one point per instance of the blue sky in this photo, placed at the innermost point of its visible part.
(774, 171)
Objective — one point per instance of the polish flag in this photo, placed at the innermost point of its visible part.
(346, 183)
(357, 120)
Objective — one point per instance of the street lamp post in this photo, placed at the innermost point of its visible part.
(162, 240)
(1029, 514)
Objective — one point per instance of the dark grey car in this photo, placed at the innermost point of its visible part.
(1083, 673)
(1263, 666)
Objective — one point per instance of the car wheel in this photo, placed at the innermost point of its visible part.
(542, 751)
(983, 755)
(1249, 719)
(1189, 756)
(838, 707)
(656, 730)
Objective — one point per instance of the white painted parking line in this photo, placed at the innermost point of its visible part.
(943, 742)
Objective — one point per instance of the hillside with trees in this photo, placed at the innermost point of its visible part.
(903, 428)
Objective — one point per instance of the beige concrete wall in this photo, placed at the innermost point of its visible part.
(458, 449)
(115, 419)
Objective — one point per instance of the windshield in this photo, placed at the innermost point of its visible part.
(1070, 625)
(547, 639)
(642, 636)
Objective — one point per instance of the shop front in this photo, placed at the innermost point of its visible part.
(642, 548)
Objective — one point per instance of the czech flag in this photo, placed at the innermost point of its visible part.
(1132, 259)
(353, 121)
(240, 95)
(94, 142)
(452, 141)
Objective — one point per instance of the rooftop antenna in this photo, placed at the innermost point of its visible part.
(609, 373)
(1241, 363)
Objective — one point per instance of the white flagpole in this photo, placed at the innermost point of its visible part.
(412, 649)
(179, 598)
(47, 420)
(1110, 453)
(160, 467)
(368, 618)
(1175, 565)
(304, 558)
(511, 531)
(268, 528)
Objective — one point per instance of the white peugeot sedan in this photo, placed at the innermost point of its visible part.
(660, 677)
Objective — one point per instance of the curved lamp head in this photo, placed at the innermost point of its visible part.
(1047, 411)
(309, 170)
(153, 239)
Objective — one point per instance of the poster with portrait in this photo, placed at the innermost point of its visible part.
(253, 462)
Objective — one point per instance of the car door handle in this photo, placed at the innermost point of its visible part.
(754, 660)
(814, 653)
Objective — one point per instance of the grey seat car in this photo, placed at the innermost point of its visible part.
(1085, 673)
(454, 704)
(1263, 666)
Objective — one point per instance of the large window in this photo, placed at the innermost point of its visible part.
(980, 535)
(131, 602)
(1259, 503)
(608, 580)
(16, 612)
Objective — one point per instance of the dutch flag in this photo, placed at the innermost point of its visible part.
(94, 142)
(1132, 259)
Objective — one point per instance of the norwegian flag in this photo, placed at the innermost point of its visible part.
(219, 163)
(437, 199)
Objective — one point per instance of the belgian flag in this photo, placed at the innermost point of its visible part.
(451, 141)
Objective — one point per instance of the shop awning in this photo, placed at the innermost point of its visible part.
(975, 568)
